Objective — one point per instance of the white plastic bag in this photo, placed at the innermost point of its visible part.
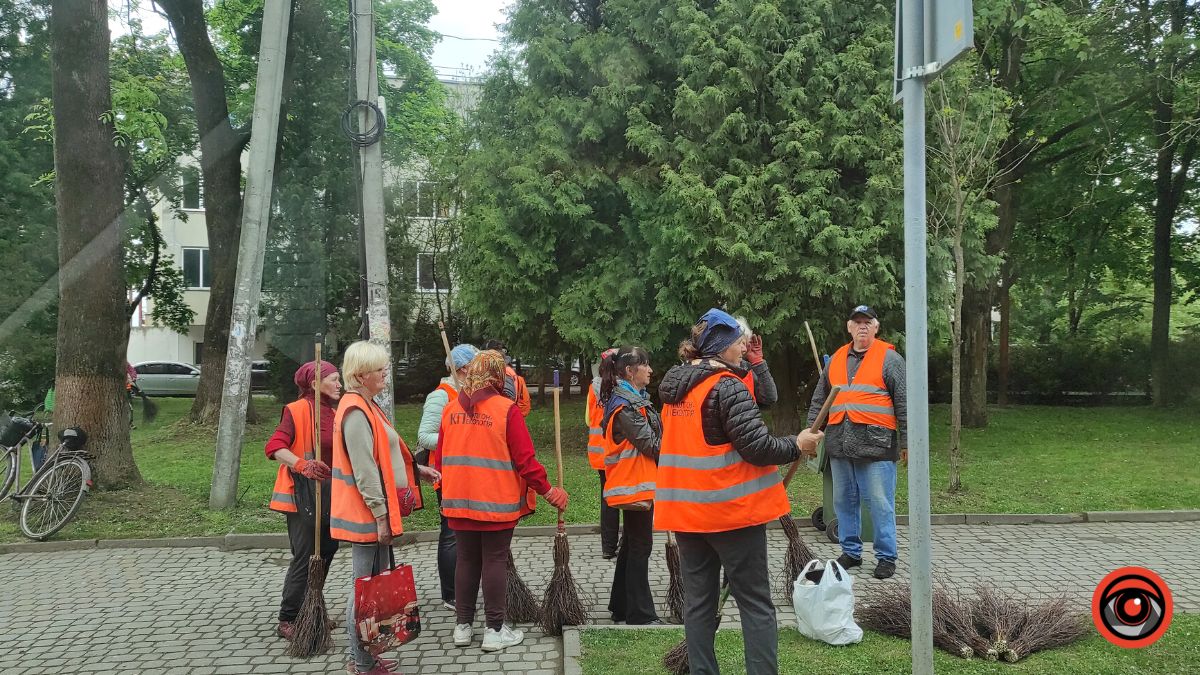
(825, 610)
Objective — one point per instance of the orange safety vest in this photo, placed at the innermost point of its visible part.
(595, 416)
(628, 474)
(349, 517)
(283, 495)
(709, 488)
(748, 380)
(451, 392)
(520, 391)
(866, 400)
(479, 481)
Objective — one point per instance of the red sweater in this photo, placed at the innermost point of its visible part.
(520, 446)
(286, 432)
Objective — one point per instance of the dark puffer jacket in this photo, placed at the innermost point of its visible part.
(729, 413)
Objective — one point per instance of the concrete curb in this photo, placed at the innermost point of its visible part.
(241, 542)
(572, 652)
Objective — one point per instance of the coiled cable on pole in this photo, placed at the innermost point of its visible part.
(372, 134)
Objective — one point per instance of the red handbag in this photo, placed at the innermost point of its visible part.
(386, 612)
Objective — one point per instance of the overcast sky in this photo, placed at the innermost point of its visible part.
(470, 27)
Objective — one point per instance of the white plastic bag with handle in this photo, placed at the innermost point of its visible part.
(825, 609)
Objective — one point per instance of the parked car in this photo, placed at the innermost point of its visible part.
(167, 378)
(531, 371)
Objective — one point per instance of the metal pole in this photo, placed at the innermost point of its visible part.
(916, 337)
(366, 87)
(256, 207)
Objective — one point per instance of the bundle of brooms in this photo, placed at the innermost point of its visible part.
(990, 625)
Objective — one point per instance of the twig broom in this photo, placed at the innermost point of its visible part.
(313, 628)
(675, 586)
(798, 554)
(676, 660)
(561, 606)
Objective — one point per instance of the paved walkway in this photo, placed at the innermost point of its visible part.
(205, 611)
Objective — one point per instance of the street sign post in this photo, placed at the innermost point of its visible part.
(930, 34)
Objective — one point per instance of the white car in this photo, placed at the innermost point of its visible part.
(167, 378)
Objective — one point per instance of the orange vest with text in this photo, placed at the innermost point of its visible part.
(866, 400)
(479, 481)
(709, 488)
(595, 416)
(283, 495)
(349, 517)
(628, 474)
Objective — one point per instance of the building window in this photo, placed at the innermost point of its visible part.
(196, 272)
(197, 352)
(192, 198)
(427, 265)
(418, 199)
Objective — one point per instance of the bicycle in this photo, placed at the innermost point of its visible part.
(56, 490)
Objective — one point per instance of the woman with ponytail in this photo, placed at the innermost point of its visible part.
(632, 434)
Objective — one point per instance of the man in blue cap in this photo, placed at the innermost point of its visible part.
(866, 435)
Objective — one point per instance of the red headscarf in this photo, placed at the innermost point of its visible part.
(306, 373)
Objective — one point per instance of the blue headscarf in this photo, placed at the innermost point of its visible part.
(623, 394)
(721, 332)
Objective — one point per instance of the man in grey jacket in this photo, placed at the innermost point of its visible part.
(865, 437)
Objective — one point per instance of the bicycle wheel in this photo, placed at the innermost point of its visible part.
(54, 498)
(8, 471)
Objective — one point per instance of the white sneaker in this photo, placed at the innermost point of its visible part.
(464, 633)
(446, 604)
(495, 640)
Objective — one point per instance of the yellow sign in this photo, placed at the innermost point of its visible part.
(958, 30)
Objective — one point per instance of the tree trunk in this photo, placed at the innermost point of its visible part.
(220, 165)
(544, 373)
(976, 327)
(794, 374)
(956, 420)
(93, 330)
(1005, 323)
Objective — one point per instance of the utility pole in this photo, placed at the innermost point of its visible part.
(256, 211)
(930, 34)
(370, 158)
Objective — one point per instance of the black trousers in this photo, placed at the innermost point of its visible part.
(743, 553)
(610, 523)
(447, 555)
(300, 535)
(630, 599)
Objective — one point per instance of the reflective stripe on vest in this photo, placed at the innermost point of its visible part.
(709, 488)
(629, 476)
(349, 517)
(595, 415)
(283, 495)
(865, 400)
(479, 480)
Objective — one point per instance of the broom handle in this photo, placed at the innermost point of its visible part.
(446, 346)
(813, 343)
(817, 422)
(317, 442)
(558, 444)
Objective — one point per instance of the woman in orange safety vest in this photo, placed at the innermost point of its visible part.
(299, 466)
(489, 478)
(717, 486)
(632, 432)
(610, 518)
(374, 481)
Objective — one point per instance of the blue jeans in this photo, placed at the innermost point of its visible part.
(875, 483)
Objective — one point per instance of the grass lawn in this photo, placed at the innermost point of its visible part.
(1031, 459)
(624, 652)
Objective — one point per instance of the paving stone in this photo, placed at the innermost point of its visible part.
(204, 611)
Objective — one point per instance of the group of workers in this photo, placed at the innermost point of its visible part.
(703, 468)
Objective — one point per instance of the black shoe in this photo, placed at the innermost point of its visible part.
(847, 561)
(885, 569)
(608, 555)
